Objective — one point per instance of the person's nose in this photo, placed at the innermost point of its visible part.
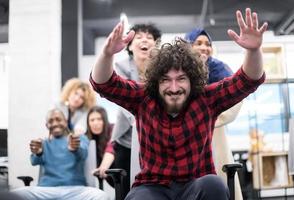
(144, 39)
(77, 97)
(203, 47)
(54, 123)
(174, 86)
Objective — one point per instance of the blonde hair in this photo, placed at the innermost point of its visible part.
(74, 84)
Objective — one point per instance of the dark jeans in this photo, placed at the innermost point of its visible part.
(209, 187)
(123, 160)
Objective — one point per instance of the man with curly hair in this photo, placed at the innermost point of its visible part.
(175, 111)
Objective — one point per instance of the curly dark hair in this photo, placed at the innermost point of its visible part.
(145, 28)
(103, 138)
(177, 55)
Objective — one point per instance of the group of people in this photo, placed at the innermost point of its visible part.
(171, 96)
(176, 110)
(71, 124)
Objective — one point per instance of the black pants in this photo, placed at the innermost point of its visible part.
(123, 160)
(209, 187)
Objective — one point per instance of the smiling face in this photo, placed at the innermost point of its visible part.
(203, 46)
(96, 123)
(174, 90)
(56, 123)
(142, 44)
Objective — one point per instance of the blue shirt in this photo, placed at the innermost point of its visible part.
(59, 166)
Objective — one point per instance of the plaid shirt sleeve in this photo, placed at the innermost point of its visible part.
(224, 94)
(126, 93)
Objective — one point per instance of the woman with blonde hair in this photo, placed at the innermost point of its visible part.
(75, 101)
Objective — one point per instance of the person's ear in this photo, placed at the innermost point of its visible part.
(65, 124)
(130, 47)
(157, 42)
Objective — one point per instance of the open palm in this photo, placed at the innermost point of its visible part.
(116, 41)
(250, 34)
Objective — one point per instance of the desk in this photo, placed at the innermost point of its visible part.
(3, 173)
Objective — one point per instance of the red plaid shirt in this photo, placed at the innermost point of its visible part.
(179, 148)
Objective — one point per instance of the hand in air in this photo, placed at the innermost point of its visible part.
(116, 41)
(250, 34)
(36, 146)
(73, 142)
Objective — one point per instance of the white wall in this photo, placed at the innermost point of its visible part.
(3, 86)
(34, 75)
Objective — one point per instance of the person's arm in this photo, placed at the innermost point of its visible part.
(78, 144)
(36, 159)
(36, 147)
(106, 162)
(124, 120)
(115, 42)
(80, 123)
(250, 38)
(228, 116)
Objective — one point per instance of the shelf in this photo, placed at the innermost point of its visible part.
(270, 170)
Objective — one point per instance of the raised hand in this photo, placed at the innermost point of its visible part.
(73, 142)
(36, 146)
(250, 34)
(116, 41)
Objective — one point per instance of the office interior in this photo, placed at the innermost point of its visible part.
(44, 43)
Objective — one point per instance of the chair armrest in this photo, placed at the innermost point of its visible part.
(117, 176)
(26, 180)
(100, 180)
(116, 172)
(230, 170)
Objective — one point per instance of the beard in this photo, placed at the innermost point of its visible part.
(173, 107)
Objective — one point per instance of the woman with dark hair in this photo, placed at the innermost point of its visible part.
(99, 129)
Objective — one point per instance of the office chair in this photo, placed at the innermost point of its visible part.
(118, 174)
